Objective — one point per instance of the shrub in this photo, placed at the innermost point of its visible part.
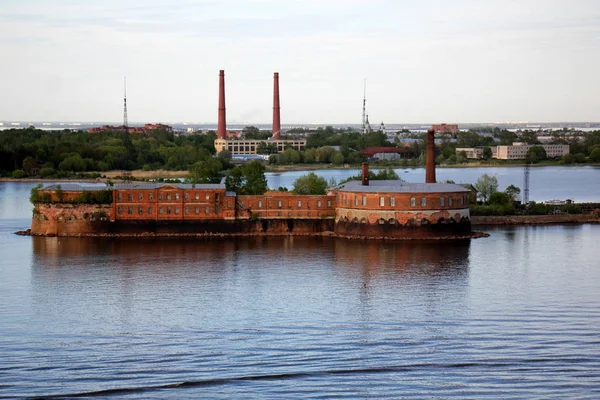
(18, 174)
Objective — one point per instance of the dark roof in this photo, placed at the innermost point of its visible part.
(398, 186)
(371, 151)
(76, 187)
(151, 186)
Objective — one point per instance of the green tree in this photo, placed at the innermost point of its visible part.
(535, 154)
(28, 164)
(338, 158)
(487, 152)
(310, 184)
(595, 155)
(207, 171)
(513, 192)
(486, 185)
(247, 179)
(529, 137)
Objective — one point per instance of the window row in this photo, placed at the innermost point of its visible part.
(166, 210)
(299, 204)
(166, 196)
(385, 201)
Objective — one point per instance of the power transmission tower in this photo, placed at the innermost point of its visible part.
(125, 104)
(526, 184)
(364, 114)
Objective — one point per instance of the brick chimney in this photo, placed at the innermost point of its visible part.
(222, 124)
(430, 158)
(276, 108)
(365, 174)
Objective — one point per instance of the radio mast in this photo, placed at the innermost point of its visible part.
(125, 104)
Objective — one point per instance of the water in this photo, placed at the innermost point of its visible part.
(511, 316)
(579, 183)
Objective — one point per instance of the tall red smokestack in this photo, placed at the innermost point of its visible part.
(365, 174)
(276, 108)
(222, 124)
(430, 158)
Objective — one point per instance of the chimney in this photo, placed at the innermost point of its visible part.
(222, 124)
(430, 158)
(365, 174)
(276, 108)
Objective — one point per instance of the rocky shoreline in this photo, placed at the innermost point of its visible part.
(473, 235)
(535, 219)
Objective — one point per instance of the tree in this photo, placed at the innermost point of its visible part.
(207, 171)
(513, 192)
(28, 164)
(247, 179)
(487, 152)
(338, 158)
(529, 137)
(595, 155)
(486, 185)
(310, 184)
(535, 154)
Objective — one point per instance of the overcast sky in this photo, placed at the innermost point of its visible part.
(424, 61)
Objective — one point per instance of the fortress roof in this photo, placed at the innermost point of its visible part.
(398, 186)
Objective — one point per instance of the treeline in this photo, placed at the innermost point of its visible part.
(35, 152)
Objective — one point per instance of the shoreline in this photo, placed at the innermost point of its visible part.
(530, 220)
(164, 174)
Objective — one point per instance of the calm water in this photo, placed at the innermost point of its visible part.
(511, 316)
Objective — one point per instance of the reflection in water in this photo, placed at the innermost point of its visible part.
(335, 275)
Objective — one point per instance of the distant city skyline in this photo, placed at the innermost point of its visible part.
(428, 62)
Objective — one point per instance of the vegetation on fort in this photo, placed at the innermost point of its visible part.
(310, 184)
(247, 179)
(37, 196)
(494, 202)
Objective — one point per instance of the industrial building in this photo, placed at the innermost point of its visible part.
(242, 146)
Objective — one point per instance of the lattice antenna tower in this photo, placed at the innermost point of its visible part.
(125, 103)
(364, 113)
(526, 184)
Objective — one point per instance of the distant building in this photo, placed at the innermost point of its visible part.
(518, 151)
(386, 153)
(445, 128)
(476, 152)
(131, 129)
(251, 146)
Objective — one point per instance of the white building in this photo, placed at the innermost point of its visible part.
(518, 151)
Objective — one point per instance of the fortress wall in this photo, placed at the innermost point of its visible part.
(70, 219)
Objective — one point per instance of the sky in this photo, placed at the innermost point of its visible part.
(427, 61)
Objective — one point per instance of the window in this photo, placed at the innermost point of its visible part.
(176, 196)
(207, 211)
(423, 201)
(450, 201)
(319, 203)
(462, 200)
(279, 203)
(150, 210)
(160, 196)
(120, 210)
(187, 210)
(364, 200)
(160, 210)
(197, 196)
(413, 202)
(150, 196)
(168, 196)
(140, 210)
(328, 203)
(129, 210)
(356, 200)
(260, 204)
(392, 202)
(176, 210)
(197, 211)
(120, 196)
(168, 210)
(207, 196)
(299, 203)
(381, 201)
(130, 197)
(140, 196)
(186, 196)
(442, 201)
